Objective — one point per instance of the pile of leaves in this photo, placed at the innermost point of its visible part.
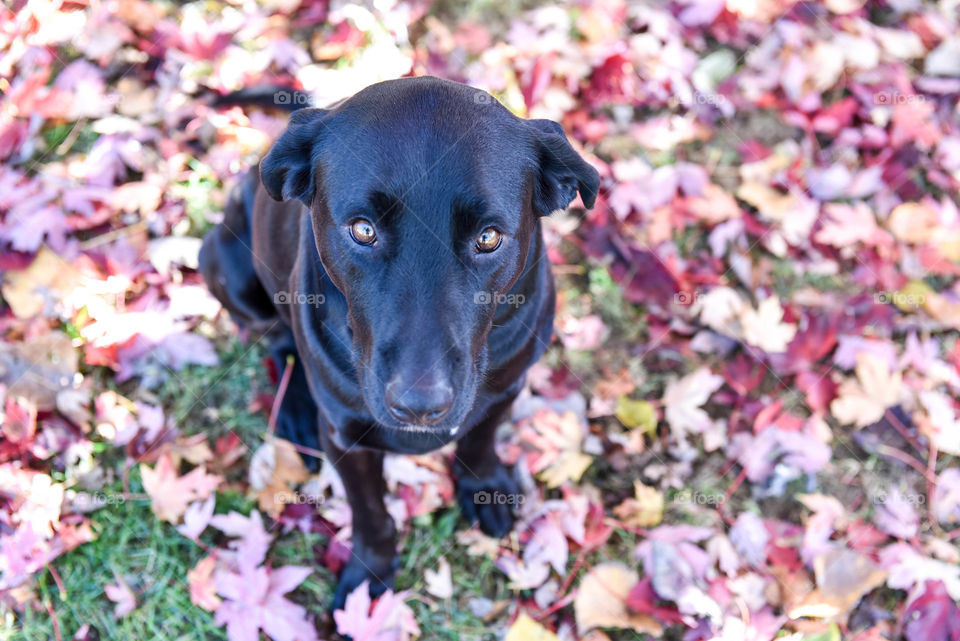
(747, 427)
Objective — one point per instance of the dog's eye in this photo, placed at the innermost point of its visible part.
(488, 240)
(363, 232)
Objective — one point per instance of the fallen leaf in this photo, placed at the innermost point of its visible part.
(440, 581)
(913, 223)
(864, 400)
(197, 518)
(843, 577)
(764, 327)
(389, 620)
(683, 399)
(203, 593)
(39, 368)
(601, 601)
(932, 616)
(121, 594)
(526, 629)
(274, 468)
(636, 414)
(557, 439)
(254, 600)
(644, 510)
(169, 493)
(39, 286)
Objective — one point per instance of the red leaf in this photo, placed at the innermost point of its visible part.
(933, 616)
(643, 599)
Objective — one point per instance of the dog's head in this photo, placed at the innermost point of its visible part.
(424, 195)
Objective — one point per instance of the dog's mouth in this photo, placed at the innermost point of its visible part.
(408, 439)
(428, 429)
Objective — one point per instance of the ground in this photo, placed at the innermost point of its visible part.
(746, 427)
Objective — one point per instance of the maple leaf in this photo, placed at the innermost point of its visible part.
(683, 399)
(764, 327)
(644, 509)
(203, 593)
(121, 594)
(170, 494)
(847, 225)
(557, 439)
(254, 600)
(197, 517)
(864, 401)
(389, 620)
(252, 540)
(942, 421)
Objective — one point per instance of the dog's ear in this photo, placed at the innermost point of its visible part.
(562, 172)
(288, 171)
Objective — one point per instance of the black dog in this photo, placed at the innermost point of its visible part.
(393, 244)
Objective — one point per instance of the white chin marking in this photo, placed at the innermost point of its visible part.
(454, 430)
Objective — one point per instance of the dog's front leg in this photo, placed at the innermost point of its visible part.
(487, 491)
(374, 552)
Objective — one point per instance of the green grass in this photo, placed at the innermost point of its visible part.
(216, 400)
(451, 619)
(150, 556)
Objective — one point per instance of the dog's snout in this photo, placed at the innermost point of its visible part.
(422, 403)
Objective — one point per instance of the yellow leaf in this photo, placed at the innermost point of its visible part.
(769, 202)
(601, 601)
(943, 309)
(274, 469)
(948, 243)
(526, 629)
(27, 291)
(912, 295)
(636, 414)
(569, 465)
(644, 510)
(864, 400)
(843, 577)
(559, 438)
(913, 222)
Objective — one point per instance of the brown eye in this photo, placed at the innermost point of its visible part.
(363, 232)
(488, 240)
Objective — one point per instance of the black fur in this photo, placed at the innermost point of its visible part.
(419, 339)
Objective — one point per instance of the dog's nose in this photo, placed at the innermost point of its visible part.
(419, 404)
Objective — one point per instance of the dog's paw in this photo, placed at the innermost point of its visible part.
(359, 570)
(490, 499)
